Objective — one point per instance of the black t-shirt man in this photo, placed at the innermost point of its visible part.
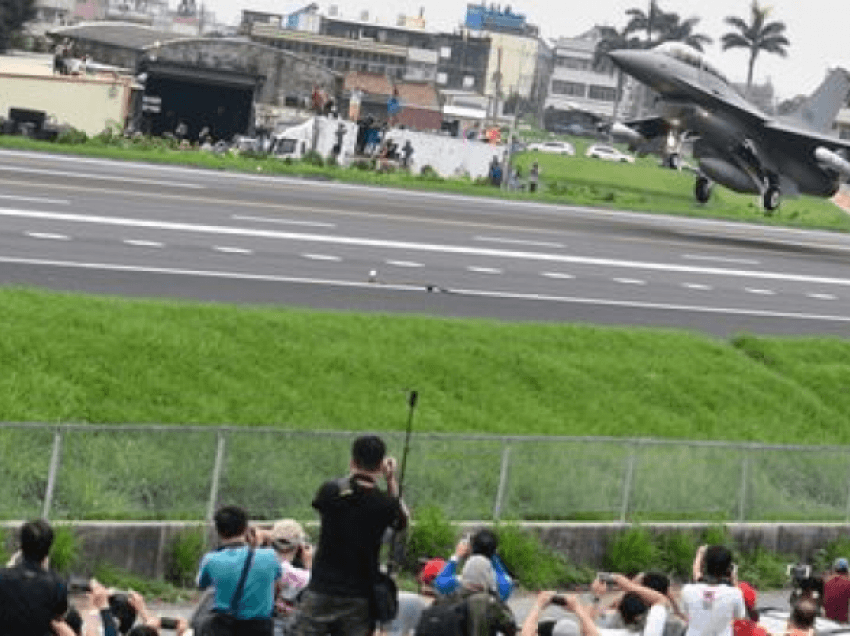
(355, 514)
(30, 598)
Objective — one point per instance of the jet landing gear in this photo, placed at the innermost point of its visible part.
(770, 199)
(702, 189)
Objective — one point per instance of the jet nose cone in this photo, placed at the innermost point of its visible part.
(624, 58)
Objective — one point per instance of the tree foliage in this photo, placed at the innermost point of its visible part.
(13, 15)
(756, 36)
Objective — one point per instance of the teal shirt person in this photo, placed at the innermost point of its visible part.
(223, 568)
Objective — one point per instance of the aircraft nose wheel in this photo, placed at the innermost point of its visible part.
(674, 161)
(702, 190)
(770, 199)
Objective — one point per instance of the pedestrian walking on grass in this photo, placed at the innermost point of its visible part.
(533, 177)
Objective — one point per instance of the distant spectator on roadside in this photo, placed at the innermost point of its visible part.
(836, 592)
(533, 177)
(713, 601)
(495, 172)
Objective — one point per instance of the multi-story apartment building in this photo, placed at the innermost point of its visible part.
(581, 91)
(449, 60)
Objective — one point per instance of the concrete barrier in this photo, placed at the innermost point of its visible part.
(143, 547)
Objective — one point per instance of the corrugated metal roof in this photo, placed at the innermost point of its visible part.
(119, 34)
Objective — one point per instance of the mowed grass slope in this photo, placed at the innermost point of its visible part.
(92, 359)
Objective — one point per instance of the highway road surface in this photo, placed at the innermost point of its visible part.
(141, 230)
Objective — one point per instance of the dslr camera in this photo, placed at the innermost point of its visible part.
(119, 602)
(798, 572)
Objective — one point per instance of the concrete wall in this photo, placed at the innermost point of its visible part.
(143, 548)
(88, 104)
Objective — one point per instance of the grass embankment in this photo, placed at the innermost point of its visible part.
(643, 186)
(90, 359)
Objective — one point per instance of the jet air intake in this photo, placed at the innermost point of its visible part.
(728, 175)
(827, 159)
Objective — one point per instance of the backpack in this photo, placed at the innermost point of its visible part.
(446, 617)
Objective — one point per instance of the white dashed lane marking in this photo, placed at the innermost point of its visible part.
(262, 219)
(720, 259)
(232, 250)
(322, 257)
(509, 241)
(404, 264)
(48, 235)
(139, 243)
(760, 292)
(484, 270)
(557, 275)
(629, 281)
(697, 286)
(822, 296)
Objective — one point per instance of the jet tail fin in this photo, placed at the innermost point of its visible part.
(819, 110)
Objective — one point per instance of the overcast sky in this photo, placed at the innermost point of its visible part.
(818, 29)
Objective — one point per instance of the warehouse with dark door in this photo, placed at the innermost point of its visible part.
(220, 100)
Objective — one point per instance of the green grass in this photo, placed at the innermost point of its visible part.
(104, 360)
(643, 186)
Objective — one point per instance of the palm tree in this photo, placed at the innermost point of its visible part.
(647, 21)
(678, 30)
(757, 36)
(610, 39)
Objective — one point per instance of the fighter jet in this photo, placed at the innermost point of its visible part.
(736, 144)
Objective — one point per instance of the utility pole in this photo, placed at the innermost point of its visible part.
(498, 87)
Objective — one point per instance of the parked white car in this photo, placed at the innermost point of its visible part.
(608, 153)
(555, 147)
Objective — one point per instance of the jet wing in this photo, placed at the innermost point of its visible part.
(649, 127)
(794, 134)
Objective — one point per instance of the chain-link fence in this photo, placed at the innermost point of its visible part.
(183, 472)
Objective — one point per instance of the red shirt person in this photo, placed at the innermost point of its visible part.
(748, 626)
(836, 592)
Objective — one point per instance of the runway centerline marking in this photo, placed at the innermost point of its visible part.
(509, 241)
(409, 246)
(720, 259)
(260, 219)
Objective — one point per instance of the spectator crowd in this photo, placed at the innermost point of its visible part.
(270, 581)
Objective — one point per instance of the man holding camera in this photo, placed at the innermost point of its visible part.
(714, 600)
(244, 578)
(354, 513)
(31, 596)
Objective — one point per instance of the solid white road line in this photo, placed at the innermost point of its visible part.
(260, 219)
(507, 241)
(760, 292)
(140, 243)
(629, 281)
(557, 275)
(113, 267)
(100, 177)
(409, 246)
(36, 199)
(404, 264)
(483, 270)
(232, 250)
(697, 286)
(48, 235)
(322, 257)
(720, 259)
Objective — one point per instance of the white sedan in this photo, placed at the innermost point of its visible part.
(556, 147)
(608, 153)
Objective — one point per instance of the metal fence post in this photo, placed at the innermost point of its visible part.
(627, 485)
(503, 482)
(216, 476)
(847, 510)
(51, 473)
(742, 498)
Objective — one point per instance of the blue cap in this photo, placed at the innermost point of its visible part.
(841, 565)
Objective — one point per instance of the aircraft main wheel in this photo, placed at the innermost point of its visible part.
(702, 190)
(770, 199)
(674, 161)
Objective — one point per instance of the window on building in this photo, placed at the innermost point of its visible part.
(468, 81)
(442, 78)
(445, 52)
(575, 89)
(602, 93)
(571, 62)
